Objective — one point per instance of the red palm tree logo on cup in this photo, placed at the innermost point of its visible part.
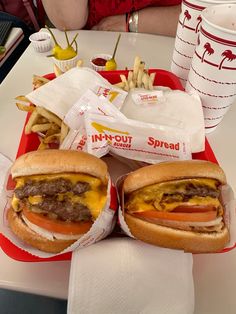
(227, 54)
(199, 19)
(187, 17)
(208, 49)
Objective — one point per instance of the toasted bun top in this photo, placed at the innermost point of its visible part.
(51, 161)
(173, 170)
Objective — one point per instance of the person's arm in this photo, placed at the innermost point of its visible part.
(152, 20)
(159, 20)
(68, 15)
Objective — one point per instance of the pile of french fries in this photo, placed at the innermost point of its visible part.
(138, 77)
(49, 127)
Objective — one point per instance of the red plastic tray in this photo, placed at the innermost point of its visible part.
(31, 142)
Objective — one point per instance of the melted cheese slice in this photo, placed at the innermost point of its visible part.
(148, 198)
(94, 199)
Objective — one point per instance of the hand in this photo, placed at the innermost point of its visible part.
(115, 23)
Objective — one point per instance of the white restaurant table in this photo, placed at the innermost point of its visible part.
(214, 274)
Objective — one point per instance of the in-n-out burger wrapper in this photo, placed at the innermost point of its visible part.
(100, 229)
(99, 128)
(227, 198)
(135, 140)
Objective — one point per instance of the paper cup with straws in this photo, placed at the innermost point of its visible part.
(213, 68)
(187, 35)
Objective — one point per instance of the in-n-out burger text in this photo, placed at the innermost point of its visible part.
(158, 143)
(126, 141)
(117, 140)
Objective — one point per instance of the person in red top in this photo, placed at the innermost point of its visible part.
(144, 16)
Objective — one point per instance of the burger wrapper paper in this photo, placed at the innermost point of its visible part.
(101, 228)
(129, 276)
(228, 201)
(60, 94)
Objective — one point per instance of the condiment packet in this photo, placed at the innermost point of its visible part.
(100, 229)
(135, 140)
(60, 94)
(93, 103)
(77, 137)
(169, 107)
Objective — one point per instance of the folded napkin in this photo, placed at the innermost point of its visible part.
(122, 275)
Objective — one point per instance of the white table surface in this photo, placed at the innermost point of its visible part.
(214, 274)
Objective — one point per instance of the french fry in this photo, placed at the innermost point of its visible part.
(49, 115)
(120, 85)
(22, 98)
(145, 80)
(41, 127)
(124, 80)
(131, 85)
(137, 61)
(130, 76)
(151, 80)
(57, 70)
(37, 78)
(42, 145)
(52, 138)
(39, 81)
(23, 107)
(32, 120)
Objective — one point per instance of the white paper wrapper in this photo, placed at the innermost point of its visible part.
(228, 201)
(102, 227)
(128, 276)
(135, 140)
(174, 108)
(60, 94)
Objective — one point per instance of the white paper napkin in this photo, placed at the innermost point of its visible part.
(122, 275)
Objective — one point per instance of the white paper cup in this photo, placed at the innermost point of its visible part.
(187, 35)
(41, 41)
(65, 65)
(99, 67)
(213, 68)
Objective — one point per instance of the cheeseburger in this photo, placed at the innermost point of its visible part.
(177, 205)
(57, 197)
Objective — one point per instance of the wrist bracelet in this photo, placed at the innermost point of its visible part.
(127, 17)
(133, 22)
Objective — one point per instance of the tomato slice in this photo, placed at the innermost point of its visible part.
(200, 217)
(59, 226)
(193, 208)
